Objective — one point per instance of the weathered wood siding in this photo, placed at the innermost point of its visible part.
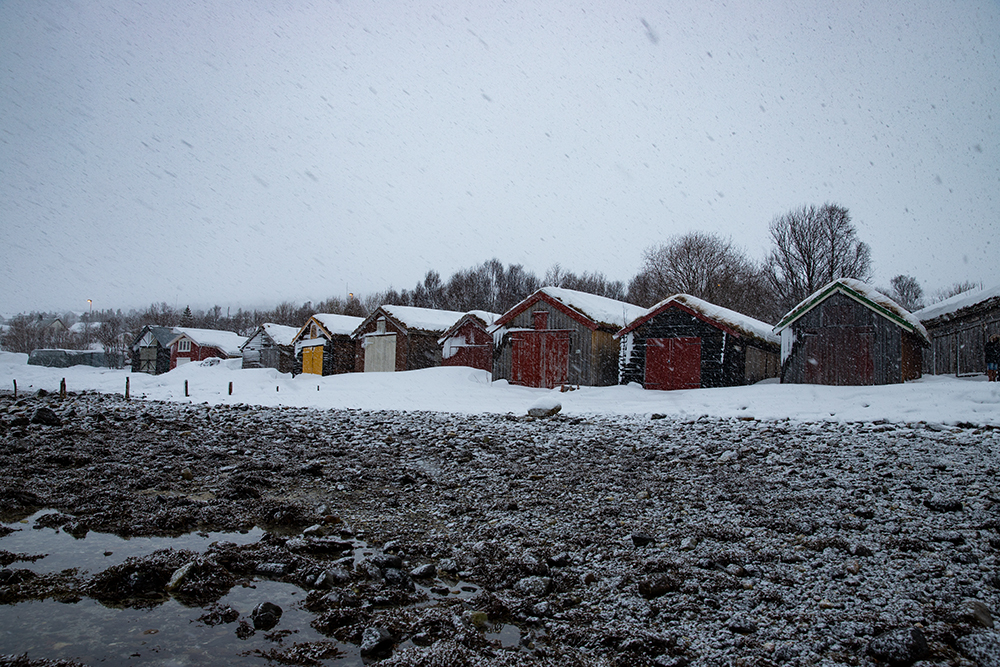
(841, 341)
(593, 355)
(958, 345)
(726, 360)
(414, 350)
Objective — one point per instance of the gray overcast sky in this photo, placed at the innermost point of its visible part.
(242, 153)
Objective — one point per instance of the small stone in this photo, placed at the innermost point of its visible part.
(478, 618)
(534, 586)
(187, 474)
(265, 615)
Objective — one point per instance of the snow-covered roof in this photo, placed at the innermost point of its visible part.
(950, 307)
(338, 324)
(862, 293)
(599, 309)
(279, 333)
(83, 327)
(226, 341)
(742, 324)
(485, 317)
(424, 319)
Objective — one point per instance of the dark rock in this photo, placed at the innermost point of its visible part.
(383, 561)
(940, 503)
(398, 579)
(425, 571)
(657, 585)
(741, 625)
(641, 540)
(545, 410)
(46, 417)
(265, 615)
(899, 647)
(376, 642)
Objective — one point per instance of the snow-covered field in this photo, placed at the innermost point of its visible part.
(933, 399)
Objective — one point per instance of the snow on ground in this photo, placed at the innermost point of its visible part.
(934, 399)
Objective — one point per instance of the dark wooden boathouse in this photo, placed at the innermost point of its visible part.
(847, 333)
(684, 342)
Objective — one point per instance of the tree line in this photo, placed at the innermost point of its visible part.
(810, 247)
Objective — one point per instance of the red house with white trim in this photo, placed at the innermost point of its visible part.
(469, 342)
(200, 344)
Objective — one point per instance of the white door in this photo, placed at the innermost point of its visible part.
(380, 353)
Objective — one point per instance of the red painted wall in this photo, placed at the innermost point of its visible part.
(197, 353)
(480, 352)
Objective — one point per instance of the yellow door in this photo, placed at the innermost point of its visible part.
(312, 360)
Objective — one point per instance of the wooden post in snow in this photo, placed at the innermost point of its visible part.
(15, 389)
(186, 394)
(62, 388)
(230, 388)
(126, 388)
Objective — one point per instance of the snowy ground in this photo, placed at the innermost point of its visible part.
(933, 399)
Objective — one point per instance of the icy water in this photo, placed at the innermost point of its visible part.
(170, 633)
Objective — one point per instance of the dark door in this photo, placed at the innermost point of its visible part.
(840, 356)
(673, 363)
(540, 358)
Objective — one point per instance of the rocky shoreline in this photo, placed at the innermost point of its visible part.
(602, 540)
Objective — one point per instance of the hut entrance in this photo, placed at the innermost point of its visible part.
(673, 363)
(840, 356)
(312, 359)
(147, 360)
(380, 353)
(540, 358)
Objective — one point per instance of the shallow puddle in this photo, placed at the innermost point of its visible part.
(169, 633)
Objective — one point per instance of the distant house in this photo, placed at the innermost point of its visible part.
(469, 341)
(199, 344)
(959, 328)
(560, 336)
(847, 333)
(324, 345)
(684, 342)
(271, 346)
(151, 349)
(401, 338)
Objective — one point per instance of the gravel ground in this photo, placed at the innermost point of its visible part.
(604, 540)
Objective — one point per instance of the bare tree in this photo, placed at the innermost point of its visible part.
(811, 247)
(23, 334)
(705, 266)
(955, 290)
(591, 283)
(906, 291)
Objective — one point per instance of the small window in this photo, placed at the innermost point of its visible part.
(184, 346)
(380, 325)
(313, 331)
(540, 319)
